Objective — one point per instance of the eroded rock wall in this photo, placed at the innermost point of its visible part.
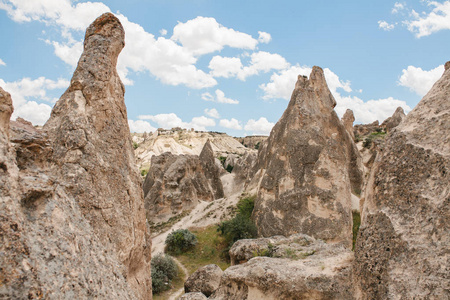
(402, 249)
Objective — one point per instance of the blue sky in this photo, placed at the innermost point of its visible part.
(230, 66)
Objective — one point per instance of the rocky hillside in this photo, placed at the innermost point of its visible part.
(182, 141)
(72, 212)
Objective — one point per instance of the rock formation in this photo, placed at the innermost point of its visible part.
(307, 269)
(212, 171)
(72, 211)
(393, 121)
(364, 129)
(205, 280)
(193, 296)
(402, 248)
(253, 141)
(175, 183)
(348, 120)
(308, 167)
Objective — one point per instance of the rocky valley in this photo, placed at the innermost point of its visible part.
(319, 209)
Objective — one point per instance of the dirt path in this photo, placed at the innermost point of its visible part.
(176, 294)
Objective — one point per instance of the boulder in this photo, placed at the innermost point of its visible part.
(393, 121)
(304, 268)
(348, 120)
(308, 168)
(193, 296)
(402, 249)
(205, 280)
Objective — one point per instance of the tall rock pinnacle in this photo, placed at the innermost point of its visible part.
(308, 167)
(402, 248)
(91, 142)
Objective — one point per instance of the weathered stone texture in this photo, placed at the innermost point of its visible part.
(212, 171)
(205, 280)
(402, 249)
(308, 168)
(393, 121)
(315, 270)
(348, 120)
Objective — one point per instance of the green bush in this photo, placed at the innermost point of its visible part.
(240, 227)
(229, 168)
(144, 172)
(367, 143)
(356, 224)
(258, 144)
(164, 269)
(180, 241)
(135, 145)
(245, 206)
(222, 160)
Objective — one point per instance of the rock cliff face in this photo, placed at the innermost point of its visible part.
(175, 183)
(402, 249)
(348, 120)
(393, 121)
(212, 171)
(308, 167)
(69, 228)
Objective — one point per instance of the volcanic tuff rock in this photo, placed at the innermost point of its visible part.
(48, 249)
(308, 168)
(175, 183)
(252, 141)
(364, 129)
(348, 120)
(313, 270)
(205, 280)
(212, 171)
(393, 121)
(193, 296)
(402, 249)
(89, 134)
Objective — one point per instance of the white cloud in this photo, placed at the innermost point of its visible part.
(438, 19)
(220, 98)
(385, 25)
(231, 124)
(260, 61)
(2, 63)
(171, 120)
(163, 32)
(264, 37)
(418, 80)
(24, 90)
(259, 127)
(213, 113)
(140, 126)
(34, 112)
(68, 52)
(398, 7)
(205, 35)
(282, 84)
(369, 111)
(225, 66)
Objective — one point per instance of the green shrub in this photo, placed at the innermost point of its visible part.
(180, 241)
(222, 160)
(144, 172)
(164, 269)
(245, 206)
(258, 144)
(367, 142)
(229, 168)
(135, 145)
(240, 227)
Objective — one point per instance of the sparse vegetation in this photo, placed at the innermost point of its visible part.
(257, 145)
(229, 168)
(135, 145)
(356, 224)
(144, 172)
(222, 160)
(241, 226)
(180, 241)
(164, 270)
(378, 134)
(207, 251)
(159, 227)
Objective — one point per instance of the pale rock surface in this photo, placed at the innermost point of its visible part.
(48, 249)
(205, 280)
(253, 141)
(393, 121)
(308, 168)
(315, 270)
(402, 248)
(212, 171)
(193, 296)
(348, 120)
(364, 129)
(89, 133)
